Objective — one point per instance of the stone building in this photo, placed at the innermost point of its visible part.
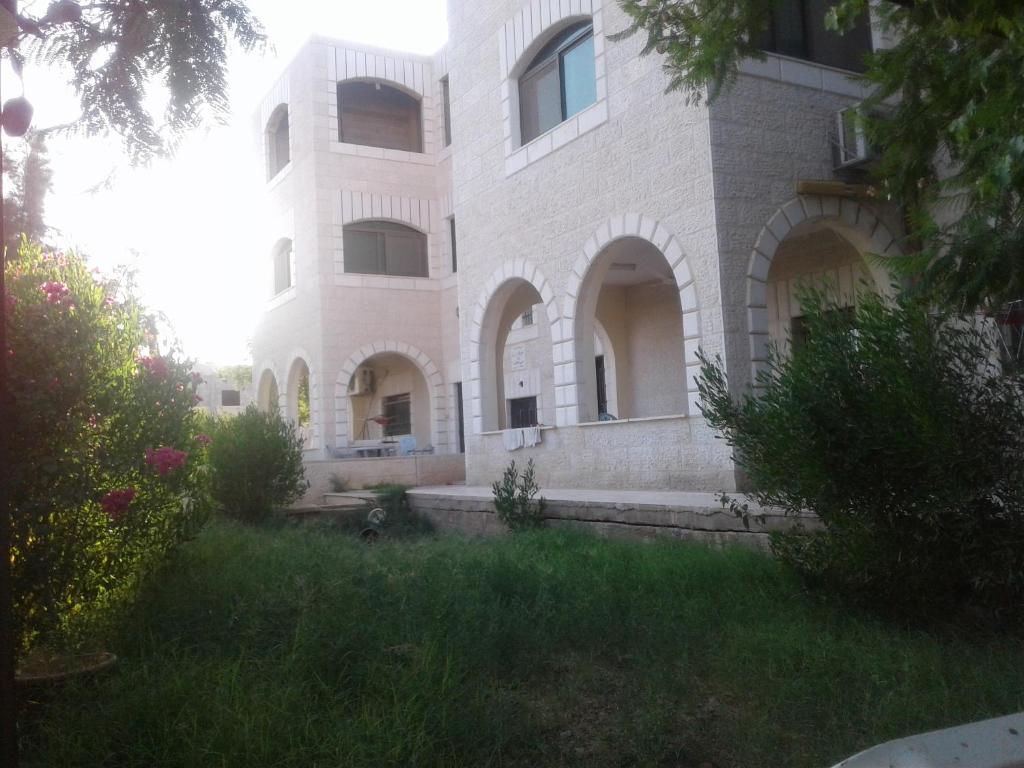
(526, 230)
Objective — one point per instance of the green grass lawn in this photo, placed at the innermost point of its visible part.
(304, 647)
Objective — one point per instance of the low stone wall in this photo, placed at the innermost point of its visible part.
(692, 517)
(660, 453)
(424, 469)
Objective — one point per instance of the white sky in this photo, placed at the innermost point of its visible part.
(185, 224)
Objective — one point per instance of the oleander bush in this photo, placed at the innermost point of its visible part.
(256, 464)
(107, 470)
(900, 430)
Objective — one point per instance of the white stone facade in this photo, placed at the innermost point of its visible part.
(641, 229)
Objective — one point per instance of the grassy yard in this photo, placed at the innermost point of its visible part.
(299, 647)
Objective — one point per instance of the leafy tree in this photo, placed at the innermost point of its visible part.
(952, 146)
(239, 375)
(901, 433)
(25, 205)
(116, 50)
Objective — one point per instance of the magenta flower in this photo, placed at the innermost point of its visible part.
(116, 503)
(165, 460)
(155, 366)
(55, 291)
(204, 439)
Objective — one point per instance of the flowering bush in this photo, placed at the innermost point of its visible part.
(107, 475)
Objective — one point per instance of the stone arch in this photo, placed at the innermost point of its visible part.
(260, 377)
(480, 375)
(435, 386)
(853, 221)
(630, 225)
(315, 411)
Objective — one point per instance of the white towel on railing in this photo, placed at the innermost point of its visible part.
(531, 436)
(513, 439)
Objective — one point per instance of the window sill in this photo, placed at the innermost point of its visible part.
(279, 176)
(283, 297)
(543, 428)
(669, 417)
(379, 153)
(562, 134)
(806, 74)
(359, 280)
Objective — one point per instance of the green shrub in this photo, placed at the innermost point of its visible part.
(256, 464)
(900, 432)
(515, 498)
(107, 464)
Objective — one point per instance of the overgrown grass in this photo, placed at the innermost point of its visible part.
(299, 647)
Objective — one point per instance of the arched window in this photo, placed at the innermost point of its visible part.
(384, 248)
(377, 115)
(559, 82)
(278, 142)
(283, 266)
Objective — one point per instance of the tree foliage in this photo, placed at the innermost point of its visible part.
(900, 431)
(946, 111)
(25, 201)
(116, 50)
(256, 464)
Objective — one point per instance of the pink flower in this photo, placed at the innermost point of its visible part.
(204, 439)
(55, 291)
(155, 366)
(165, 460)
(116, 503)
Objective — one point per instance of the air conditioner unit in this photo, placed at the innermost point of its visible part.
(362, 383)
(851, 146)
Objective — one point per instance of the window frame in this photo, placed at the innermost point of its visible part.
(285, 248)
(451, 234)
(390, 401)
(419, 145)
(769, 39)
(526, 407)
(389, 232)
(236, 397)
(279, 118)
(560, 44)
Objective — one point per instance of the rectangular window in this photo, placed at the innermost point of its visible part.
(527, 317)
(376, 115)
(522, 412)
(462, 418)
(602, 386)
(797, 29)
(230, 397)
(383, 248)
(283, 270)
(455, 255)
(398, 412)
(446, 100)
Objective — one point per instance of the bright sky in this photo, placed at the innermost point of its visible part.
(186, 224)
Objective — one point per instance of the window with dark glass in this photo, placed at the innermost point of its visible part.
(522, 412)
(559, 82)
(283, 267)
(455, 255)
(384, 248)
(797, 28)
(230, 397)
(527, 317)
(397, 411)
(278, 142)
(377, 115)
(602, 385)
(446, 100)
